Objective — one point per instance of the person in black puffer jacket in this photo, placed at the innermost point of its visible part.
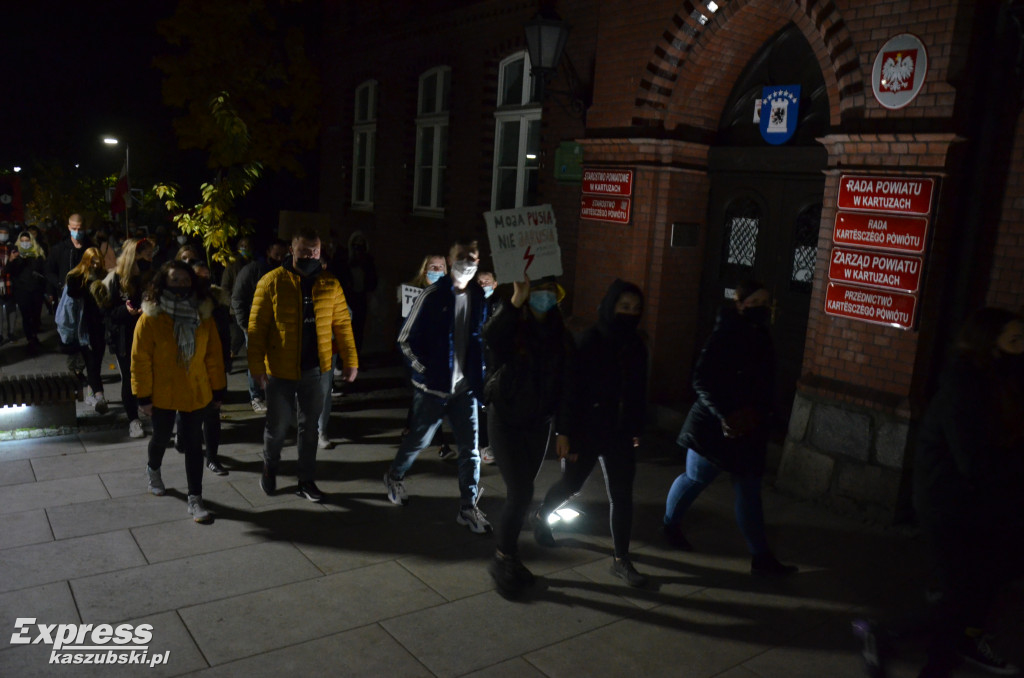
(608, 415)
(528, 394)
(728, 426)
(968, 474)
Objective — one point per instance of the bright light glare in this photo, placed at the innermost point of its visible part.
(8, 409)
(566, 514)
(110, 141)
(17, 169)
(712, 7)
(531, 156)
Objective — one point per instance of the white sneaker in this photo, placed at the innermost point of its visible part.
(395, 490)
(324, 443)
(258, 405)
(100, 403)
(135, 429)
(156, 483)
(198, 511)
(474, 519)
(486, 456)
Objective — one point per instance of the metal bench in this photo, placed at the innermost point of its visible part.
(39, 401)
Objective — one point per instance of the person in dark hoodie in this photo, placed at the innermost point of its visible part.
(528, 397)
(728, 426)
(65, 255)
(610, 382)
(968, 474)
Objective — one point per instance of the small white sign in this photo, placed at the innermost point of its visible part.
(524, 241)
(408, 294)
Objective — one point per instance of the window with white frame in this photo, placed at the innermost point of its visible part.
(364, 138)
(431, 139)
(516, 136)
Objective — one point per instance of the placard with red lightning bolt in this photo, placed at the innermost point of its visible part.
(528, 258)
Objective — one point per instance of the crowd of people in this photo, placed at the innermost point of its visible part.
(511, 380)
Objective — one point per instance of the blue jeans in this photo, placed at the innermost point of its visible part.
(254, 390)
(425, 417)
(282, 396)
(746, 491)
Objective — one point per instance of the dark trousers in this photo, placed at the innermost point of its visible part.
(211, 430)
(31, 307)
(92, 354)
(131, 403)
(190, 438)
(618, 462)
(519, 450)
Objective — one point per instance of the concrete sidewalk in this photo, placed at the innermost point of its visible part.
(359, 587)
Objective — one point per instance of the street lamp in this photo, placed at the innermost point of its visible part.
(121, 189)
(546, 35)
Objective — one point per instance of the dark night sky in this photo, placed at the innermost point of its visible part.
(82, 70)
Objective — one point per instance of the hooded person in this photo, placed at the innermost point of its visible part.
(609, 379)
(356, 271)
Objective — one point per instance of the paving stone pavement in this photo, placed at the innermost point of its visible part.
(359, 587)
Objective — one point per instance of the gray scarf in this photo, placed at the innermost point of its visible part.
(186, 320)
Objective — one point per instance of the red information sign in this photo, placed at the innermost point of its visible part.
(881, 231)
(891, 271)
(899, 195)
(615, 210)
(873, 306)
(608, 181)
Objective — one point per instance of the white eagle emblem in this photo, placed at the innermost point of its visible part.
(897, 72)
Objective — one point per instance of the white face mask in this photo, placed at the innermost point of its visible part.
(182, 239)
(3, 237)
(462, 272)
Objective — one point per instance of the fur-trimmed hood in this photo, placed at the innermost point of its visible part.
(100, 290)
(152, 309)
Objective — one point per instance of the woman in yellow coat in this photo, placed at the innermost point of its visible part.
(177, 367)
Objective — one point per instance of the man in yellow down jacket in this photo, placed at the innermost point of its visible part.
(298, 309)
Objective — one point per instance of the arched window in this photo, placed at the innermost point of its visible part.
(364, 138)
(516, 136)
(432, 139)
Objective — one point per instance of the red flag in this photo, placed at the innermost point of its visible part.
(119, 201)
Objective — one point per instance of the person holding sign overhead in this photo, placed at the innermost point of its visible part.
(528, 395)
(442, 344)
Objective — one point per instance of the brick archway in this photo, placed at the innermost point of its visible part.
(693, 66)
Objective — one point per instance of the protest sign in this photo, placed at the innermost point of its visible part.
(408, 294)
(524, 241)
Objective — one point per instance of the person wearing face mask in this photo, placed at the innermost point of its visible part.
(298, 310)
(177, 368)
(728, 427)
(119, 297)
(241, 304)
(27, 270)
(609, 382)
(528, 398)
(243, 252)
(65, 255)
(488, 283)
(89, 344)
(7, 250)
(968, 471)
(443, 348)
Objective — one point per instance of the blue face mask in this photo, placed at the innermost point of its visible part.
(488, 291)
(77, 235)
(543, 301)
(434, 276)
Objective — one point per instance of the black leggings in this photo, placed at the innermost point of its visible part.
(128, 399)
(190, 438)
(618, 462)
(519, 450)
(211, 430)
(93, 357)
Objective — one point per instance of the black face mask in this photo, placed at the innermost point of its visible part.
(273, 263)
(179, 293)
(759, 315)
(143, 264)
(625, 323)
(306, 266)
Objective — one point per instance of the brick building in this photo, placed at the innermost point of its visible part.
(431, 121)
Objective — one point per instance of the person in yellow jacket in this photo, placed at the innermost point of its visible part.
(177, 367)
(296, 312)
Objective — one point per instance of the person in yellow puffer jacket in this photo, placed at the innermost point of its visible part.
(177, 366)
(296, 312)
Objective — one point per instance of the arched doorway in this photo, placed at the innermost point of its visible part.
(764, 208)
